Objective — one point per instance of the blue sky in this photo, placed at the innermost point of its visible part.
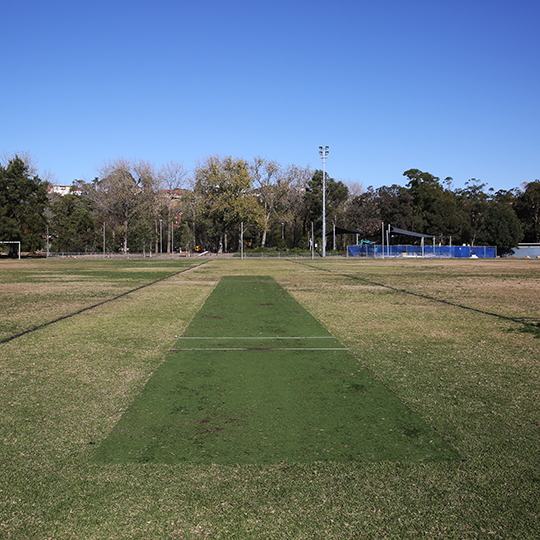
(449, 87)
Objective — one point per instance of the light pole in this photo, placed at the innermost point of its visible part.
(160, 238)
(323, 152)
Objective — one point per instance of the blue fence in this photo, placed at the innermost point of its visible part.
(439, 252)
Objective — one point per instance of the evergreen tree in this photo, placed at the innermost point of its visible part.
(23, 200)
(72, 225)
(528, 211)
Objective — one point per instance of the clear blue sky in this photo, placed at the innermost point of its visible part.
(450, 87)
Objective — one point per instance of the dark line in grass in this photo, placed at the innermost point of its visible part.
(63, 317)
(420, 295)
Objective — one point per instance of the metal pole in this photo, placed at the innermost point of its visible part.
(160, 238)
(242, 240)
(324, 210)
(324, 154)
(47, 241)
(103, 239)
(312, 242)
(382, 232)
(172, 239)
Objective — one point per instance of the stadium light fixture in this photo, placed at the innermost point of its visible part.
(323, 152)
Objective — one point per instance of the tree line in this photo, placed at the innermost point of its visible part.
(133, 206)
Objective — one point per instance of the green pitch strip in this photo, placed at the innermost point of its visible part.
(256, 379)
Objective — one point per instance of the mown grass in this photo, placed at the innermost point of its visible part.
(37, 291)
(474, 378)
(255, 379)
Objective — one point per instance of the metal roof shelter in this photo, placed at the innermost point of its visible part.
(422, 236)
(410, 233)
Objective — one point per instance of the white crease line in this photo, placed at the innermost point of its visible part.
(264, 349)
(270, 337)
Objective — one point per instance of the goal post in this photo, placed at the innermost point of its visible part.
(12, 242)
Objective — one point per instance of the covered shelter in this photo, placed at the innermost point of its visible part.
(342, 230)
(422, 236)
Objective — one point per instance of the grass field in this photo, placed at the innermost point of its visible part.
(471, 378)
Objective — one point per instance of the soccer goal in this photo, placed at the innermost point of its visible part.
(12, 242)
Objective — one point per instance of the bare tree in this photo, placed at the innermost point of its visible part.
(355, 188)
(191, 207)
(172, 178)
(296, 179)
(27, 158)
(125, 190)
(270, 188)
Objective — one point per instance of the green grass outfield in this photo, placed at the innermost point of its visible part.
(458, 359)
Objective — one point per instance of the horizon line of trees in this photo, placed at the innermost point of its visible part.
(133, 206)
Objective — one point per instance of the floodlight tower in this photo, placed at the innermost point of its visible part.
(323, 152)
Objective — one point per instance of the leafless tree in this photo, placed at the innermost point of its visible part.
(271, 187)
(172, 180)
(124, 191)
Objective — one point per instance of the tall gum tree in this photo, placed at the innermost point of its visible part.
(528, 210)
(224, 186)
(270, 185)
(434, 204)
(474, 203)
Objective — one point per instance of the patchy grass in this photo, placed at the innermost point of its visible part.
(508, 287)
(34, 292)
(471, 377)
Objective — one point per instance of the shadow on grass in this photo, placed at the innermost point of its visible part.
(531, 325)
(529, 328)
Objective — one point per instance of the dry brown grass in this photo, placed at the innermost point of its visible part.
(34, 292)
(473, 377)
(508, 287)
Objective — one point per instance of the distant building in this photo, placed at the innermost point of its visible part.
(174, 194)
(63, 190)
(527, 250)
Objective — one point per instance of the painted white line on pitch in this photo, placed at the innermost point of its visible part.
(257, 337)
(263, 349)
